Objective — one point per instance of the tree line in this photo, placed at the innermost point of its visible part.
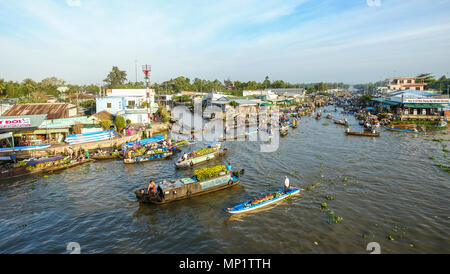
(29, 90)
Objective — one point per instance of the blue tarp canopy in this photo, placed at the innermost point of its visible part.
(155, 139)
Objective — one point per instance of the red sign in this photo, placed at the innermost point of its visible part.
(15, 123)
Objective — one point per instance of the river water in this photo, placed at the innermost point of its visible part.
(381, 187)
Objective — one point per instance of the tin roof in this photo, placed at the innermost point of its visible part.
(53, 110)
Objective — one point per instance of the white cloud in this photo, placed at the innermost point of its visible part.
(73, 3)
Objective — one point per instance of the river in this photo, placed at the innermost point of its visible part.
(387, 190)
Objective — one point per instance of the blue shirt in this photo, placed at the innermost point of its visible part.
(229, 167)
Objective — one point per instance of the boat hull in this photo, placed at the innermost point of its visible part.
(363, 134)
(200, 160)
(239, 209)
(189, 191)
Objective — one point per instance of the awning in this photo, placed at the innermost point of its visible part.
(389, 103)
(6, 135)
(265, 104)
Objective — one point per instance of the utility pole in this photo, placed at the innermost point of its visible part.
(147, 69)
(135, 67)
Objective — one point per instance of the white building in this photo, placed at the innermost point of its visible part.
(129, 103)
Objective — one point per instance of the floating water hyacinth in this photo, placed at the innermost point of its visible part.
(323, 205)
(45, 176)
(390, 238)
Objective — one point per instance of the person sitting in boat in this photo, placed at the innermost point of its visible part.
(287, 185)
(185, 156)
(151, 188)
(347, 130)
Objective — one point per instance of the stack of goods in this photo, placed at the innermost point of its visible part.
(203, 151)
(208, 173)
(268, 197)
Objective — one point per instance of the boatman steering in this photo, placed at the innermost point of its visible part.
(287, 185)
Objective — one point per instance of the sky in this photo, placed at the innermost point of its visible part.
(298, 41)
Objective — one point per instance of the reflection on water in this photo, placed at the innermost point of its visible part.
(381, 187)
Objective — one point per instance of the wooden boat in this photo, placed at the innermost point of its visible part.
(188, 187)
(40, 166)
(442, 124)
(148, 158)
(284, 131)
(107, 156)
(367, 134)
(184, 143)
(342, 123)
(404, 130)
(406, 125)
(69, 165)
(194, 158)
(262, 202)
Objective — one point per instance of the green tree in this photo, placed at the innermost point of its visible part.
(115, 78)
(120, 123)
(266, 83)
(106, 124)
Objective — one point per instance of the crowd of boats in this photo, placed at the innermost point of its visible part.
(203, 180)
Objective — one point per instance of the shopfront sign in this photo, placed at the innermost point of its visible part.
(427, 101)
(15, 123)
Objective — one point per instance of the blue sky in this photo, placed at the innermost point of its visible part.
(293, 40)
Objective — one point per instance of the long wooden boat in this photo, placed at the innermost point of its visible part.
(367, 134)
(186, 188)
(100, 157)
(262, 202)
(193, 160)
(184, 143)
(342, 123)
(40, 166)
(405, 130)
(69, 165)
(149, 158)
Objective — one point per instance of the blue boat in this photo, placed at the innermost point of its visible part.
(249, 206)
(404, 130)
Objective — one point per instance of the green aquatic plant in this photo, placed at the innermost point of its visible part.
(345, 179)
(323, 205)
(45, 176)
(319, 157)
(390, 238)
(325, 124)
(329, 198)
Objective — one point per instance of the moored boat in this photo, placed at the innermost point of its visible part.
(262, 202)
(147, 158)
(39, 166)
(367, 134)
(201, 156)
(204, 181)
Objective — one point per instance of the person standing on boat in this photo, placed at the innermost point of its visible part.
(229, 168)
(287, 185)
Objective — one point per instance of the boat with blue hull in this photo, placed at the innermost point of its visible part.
(262, 202)
(405, 130)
